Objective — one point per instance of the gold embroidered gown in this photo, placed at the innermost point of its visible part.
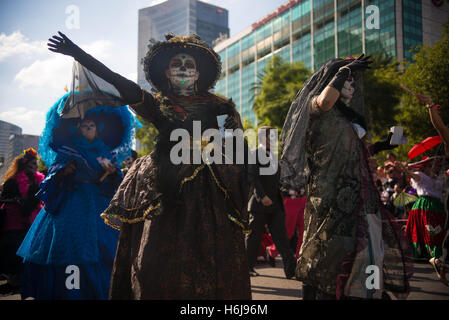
(182, 226)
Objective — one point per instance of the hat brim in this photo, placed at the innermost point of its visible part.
(157, 61)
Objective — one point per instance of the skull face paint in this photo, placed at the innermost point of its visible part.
(348, 90)
(88, 129)
(182, 73)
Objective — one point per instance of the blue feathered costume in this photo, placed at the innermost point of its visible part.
(69, 250)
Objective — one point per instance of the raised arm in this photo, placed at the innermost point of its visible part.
(130, 92)
(329, 96)
(437, 122)
(407, 172)
(439, 125)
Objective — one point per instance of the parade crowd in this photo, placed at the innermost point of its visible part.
(147, 228)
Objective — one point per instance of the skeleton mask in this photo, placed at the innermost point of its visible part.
(182, 71)
(348, 90)
(88, 129)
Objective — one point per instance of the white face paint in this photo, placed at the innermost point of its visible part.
(348, 90)
(88, 129)
(182, 73)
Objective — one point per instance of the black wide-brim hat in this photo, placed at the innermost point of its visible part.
(159, 54)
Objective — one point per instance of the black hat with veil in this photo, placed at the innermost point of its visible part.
(293, 138)
(159, 54)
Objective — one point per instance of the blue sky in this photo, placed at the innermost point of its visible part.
(33, 78)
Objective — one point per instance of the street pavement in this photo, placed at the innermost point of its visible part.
(271, 284)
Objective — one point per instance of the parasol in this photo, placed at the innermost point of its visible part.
(404, 199)
(423, 146)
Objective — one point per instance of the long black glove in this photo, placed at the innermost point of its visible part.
(361, 63)
(338, 81)
(130, 91)
(383, 145)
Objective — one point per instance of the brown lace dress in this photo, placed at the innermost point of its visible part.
(181, 226)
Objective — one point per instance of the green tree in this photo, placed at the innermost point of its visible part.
(147, 137)
(280, 84)
(382, 94)
(428, 74)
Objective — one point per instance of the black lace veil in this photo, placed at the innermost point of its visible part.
(88, 91)
(293, 157)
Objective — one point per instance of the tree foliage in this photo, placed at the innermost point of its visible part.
(382, 94)
(281, 82)
(428, 73)
(147, 137)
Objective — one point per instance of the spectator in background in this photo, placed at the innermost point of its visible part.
(128, 162)
(388, 187)
(19, 208)
(391, 159)
(380, 178)
(398, 210)
(266, 207)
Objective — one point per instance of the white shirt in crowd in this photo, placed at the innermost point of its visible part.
(427, 186)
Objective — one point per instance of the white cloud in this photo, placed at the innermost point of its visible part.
(16, 44)
(52, 73)
(41, 82)
(31, 121)
(55, 72)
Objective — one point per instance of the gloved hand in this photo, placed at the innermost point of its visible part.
(383, 145)
(62, 45)
(361, 63)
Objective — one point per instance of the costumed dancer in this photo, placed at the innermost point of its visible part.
(426, 220)
(440, 265)
(347, 229)
(69, 251)
(181, 225)
(19, 208)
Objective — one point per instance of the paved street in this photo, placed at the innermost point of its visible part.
(272, 284)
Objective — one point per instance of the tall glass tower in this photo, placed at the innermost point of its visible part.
(314, 31)
(182, 17)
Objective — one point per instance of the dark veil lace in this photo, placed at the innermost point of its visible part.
(292, 163)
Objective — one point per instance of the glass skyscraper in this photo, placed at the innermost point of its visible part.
(183, 18)
(314, 31)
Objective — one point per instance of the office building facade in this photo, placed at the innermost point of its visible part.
(314, 31)
(182, 17)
